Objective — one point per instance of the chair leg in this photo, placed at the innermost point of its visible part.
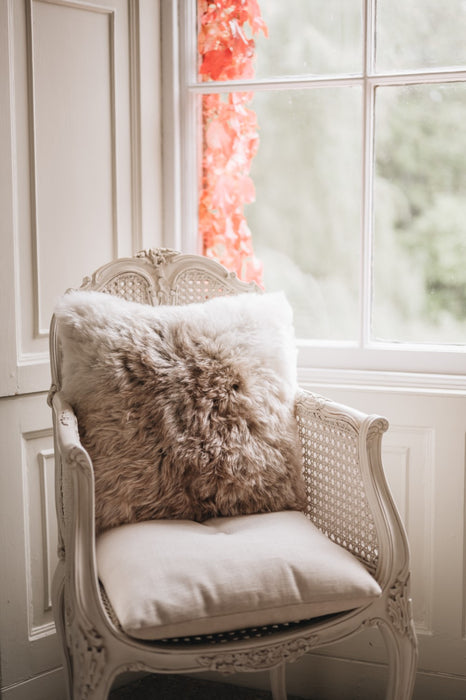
(93, 692)
(278, 682)
(402, 656)
(93, 671)
(58, 607)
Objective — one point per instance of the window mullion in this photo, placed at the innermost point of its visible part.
(367, 173)
(267, 84)
(190, 142)
(172, 135)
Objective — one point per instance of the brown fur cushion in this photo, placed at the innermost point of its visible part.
(186, 411)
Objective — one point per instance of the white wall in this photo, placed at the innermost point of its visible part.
(80, 164)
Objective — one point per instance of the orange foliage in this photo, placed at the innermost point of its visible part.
(230, 137)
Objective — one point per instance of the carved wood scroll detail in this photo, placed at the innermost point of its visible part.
(259, 659)
(399, 608)
(66, 419)
(89, 659)
(52, 391)
(378, 427)
(157, 256)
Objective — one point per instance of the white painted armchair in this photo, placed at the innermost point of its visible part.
(348, 502)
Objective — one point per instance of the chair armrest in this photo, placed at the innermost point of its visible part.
(74, 491)
(348, 496)
(65, 424)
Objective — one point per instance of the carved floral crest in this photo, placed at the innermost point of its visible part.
(259, 659)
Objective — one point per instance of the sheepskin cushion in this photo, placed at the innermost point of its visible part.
(178, 578)
(186, 411)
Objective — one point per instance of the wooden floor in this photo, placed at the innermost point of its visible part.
(162, 687)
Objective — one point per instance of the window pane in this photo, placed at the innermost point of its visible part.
(413, 34)
(420, 214)
(312, 37)
(306, 217)
(295, 37)
(229, 143)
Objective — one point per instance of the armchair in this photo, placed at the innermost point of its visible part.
(350, 519)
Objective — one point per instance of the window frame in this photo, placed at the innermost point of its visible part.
(360, 362)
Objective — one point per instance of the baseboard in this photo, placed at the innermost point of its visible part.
(319, 677)
(46, 686)
(314, 677)
(51, 686)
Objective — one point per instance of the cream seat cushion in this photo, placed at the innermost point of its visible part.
(172, 578)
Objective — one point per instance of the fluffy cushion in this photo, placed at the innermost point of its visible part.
(178, 578)
(186, 411)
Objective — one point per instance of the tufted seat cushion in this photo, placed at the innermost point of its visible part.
(170, 578)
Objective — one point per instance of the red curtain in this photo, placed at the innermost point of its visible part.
(229, 132)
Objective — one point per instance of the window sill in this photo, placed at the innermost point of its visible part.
(386, 381)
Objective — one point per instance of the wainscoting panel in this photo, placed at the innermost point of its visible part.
(408, 460)
(41, 552)
(76, 119)
(28, 544)
(74, 154)
(75, 141)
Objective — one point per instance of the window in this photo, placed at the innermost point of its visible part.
(358, 204)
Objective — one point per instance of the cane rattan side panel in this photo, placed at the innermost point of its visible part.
(337, 503)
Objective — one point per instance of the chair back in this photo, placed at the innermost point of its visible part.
(154, 276)
(158, 276)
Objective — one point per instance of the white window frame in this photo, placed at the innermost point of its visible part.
(363, 362)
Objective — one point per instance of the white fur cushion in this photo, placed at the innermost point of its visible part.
(186, 411)
(179, 578)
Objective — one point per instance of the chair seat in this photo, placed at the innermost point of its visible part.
(173, 578)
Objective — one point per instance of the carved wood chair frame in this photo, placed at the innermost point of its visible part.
(349, 501)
